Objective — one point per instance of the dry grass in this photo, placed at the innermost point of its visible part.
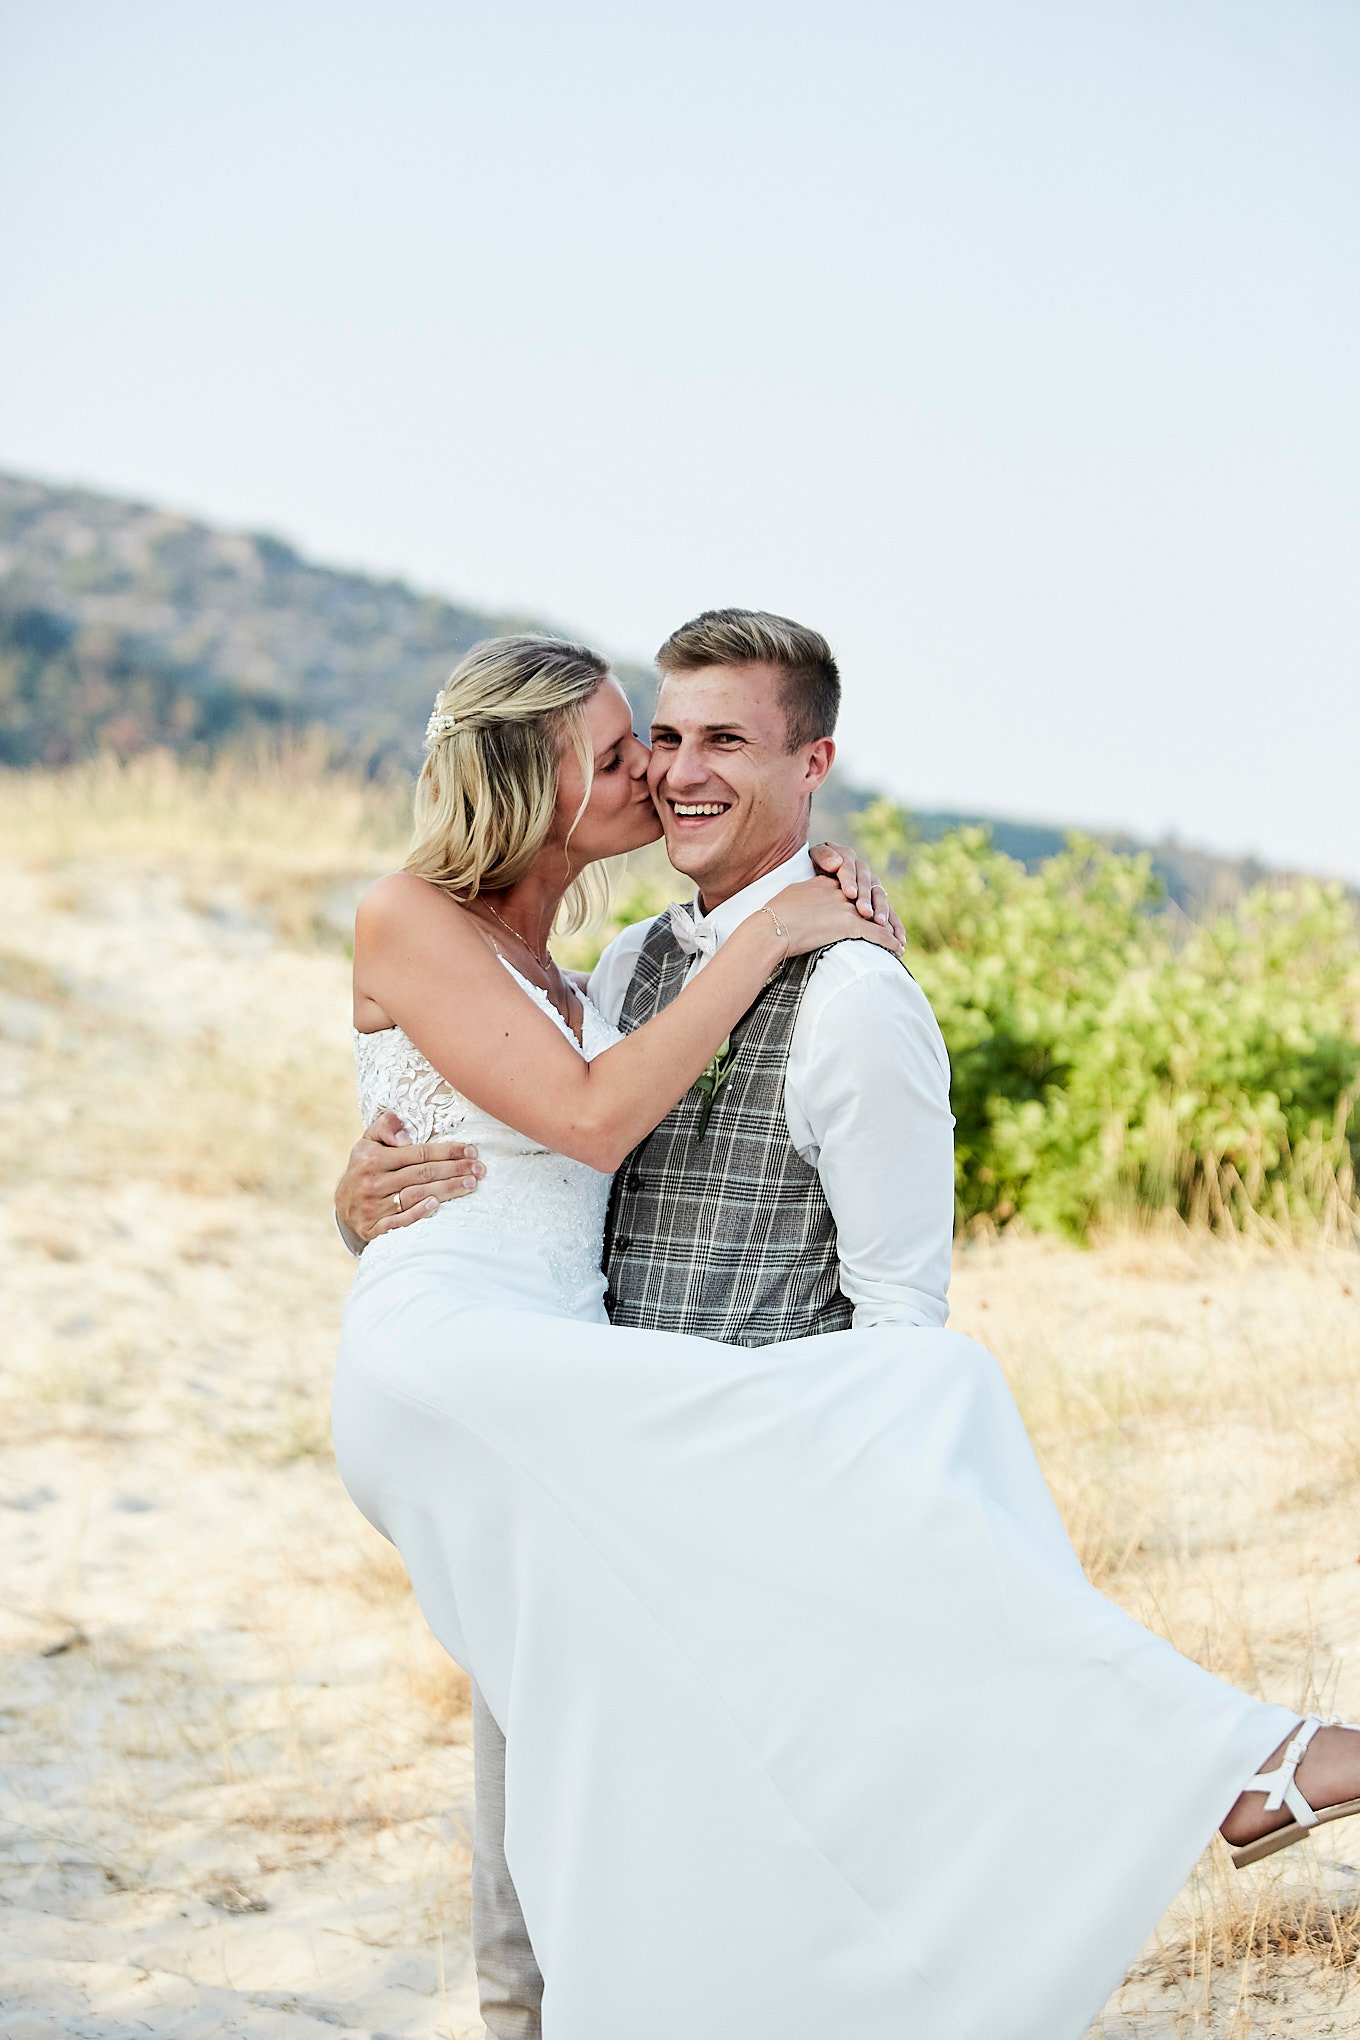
(282, 838)
(241, 1708)
(268, 818)
(1249, 1926)
(1253, 1958)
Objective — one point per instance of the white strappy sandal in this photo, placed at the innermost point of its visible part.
(1280, 1790)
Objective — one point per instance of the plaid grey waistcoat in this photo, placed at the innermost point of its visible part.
(729, 1236)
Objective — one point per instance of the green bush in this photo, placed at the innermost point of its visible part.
(1111, 1057)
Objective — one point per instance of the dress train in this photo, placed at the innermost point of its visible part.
(815, 1727)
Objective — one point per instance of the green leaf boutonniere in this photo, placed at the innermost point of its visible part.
(710, 1083)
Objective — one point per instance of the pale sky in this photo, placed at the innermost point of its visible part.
(1014, 346)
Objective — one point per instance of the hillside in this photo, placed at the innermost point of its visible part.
(126, 628)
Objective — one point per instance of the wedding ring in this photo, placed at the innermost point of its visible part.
(396, 1199)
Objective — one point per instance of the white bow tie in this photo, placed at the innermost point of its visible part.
(696, 938)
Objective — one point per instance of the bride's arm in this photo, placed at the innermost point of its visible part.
(854, 875)
(427, 965)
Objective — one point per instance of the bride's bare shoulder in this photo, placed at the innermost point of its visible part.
(412, 943)
(399, 900)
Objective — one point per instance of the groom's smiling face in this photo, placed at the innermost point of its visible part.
(733, 798)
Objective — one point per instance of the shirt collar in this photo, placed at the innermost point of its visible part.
(754, 896)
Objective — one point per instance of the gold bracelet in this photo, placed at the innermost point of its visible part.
(780, 930)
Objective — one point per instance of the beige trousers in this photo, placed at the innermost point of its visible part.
(509, 1985)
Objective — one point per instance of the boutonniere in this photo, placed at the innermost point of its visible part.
(710, 1083)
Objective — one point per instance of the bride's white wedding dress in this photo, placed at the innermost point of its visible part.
(815, 1728)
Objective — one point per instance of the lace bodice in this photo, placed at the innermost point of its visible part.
(528, 1193)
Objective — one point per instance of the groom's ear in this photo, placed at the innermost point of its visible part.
(819, 756)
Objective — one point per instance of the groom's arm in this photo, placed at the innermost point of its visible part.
(390, 1181)
(867, 1102)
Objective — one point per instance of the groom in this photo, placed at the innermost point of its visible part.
(820, 1192)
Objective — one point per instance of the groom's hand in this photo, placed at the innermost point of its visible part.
(389, 1181)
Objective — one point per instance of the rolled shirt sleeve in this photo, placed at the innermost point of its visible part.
(867, 1104)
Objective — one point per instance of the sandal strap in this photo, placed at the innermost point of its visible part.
(1278, 1785)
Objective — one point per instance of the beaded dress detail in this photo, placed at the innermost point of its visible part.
(528, 1194)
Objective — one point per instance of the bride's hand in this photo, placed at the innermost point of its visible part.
(816, 913)
(856, 880)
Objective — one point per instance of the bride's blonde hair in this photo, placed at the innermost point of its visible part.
(486, 793)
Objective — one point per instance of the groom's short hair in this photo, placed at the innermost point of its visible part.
(811, 688)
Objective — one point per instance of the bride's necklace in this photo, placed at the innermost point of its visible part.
(560, 998)
(544, 962)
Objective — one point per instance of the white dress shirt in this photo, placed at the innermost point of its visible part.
(866, 1100)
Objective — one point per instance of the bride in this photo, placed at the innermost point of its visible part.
(814, 1725)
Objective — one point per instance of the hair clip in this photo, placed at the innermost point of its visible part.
(439, 725)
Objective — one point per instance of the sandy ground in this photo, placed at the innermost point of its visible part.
(236, 1783)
